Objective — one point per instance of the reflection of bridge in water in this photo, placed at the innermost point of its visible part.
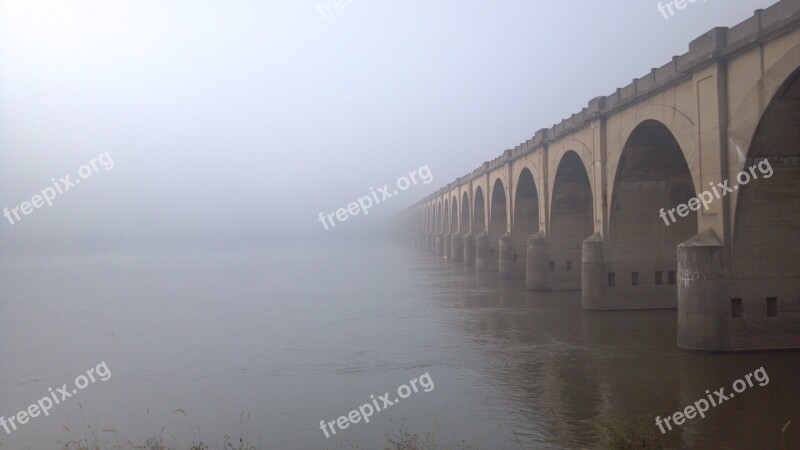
(577, 206)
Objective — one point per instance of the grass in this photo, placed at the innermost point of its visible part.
(397, 439)
(624, 434)
(91, 439)
(618, 434)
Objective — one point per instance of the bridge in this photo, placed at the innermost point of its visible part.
(614, 200)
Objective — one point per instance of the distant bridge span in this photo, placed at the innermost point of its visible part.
(578, 206)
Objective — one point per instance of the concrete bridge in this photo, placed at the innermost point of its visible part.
(579, 205)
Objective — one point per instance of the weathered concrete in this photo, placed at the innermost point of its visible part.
(485, 260)
(469, 250)
(457, 248)
(593, 274)
(537, 260)
(510, 265)
(586, 198)
(703, 309)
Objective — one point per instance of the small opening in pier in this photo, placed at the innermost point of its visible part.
(659, 278)
(671, 277)
(634, 278)
(772, 306)
(612, 279)
(736, 308)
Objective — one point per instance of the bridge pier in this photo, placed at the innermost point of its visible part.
(703, 313)
(510, 266)
(536, 263)
(485, 261)
(610, 285)
(457, 248)
(446, 246)
(593, 273)
(469, 250)
(720, 312)
(439, 246)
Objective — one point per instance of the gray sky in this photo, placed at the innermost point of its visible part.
(237, 122)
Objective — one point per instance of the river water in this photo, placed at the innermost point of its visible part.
(292, 336)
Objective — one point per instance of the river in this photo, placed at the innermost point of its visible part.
(295, 335)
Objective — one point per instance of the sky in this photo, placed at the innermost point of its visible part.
(236, 123)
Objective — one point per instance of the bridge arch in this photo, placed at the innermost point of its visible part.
(435, 207)
(682, 127)
(498, 221)
(766, 219)
(650, 215)
(443, 223)
(446, 227)
(454, 225)
(433, 216)
(427, 218)
(446, 217)
(525, 222)
(478, 212)
(466, 214)
(571, 221)
(748, 115)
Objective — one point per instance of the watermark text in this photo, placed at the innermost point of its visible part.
(366, 410)
(56, 397)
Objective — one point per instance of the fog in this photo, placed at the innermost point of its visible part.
(237, 123)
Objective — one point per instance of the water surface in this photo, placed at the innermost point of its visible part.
(296, 335)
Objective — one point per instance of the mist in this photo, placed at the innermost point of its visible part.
(236, 124)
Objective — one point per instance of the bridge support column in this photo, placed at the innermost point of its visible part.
(704, 312)
(439, 239)
(720, 312)
(447, 246)
(485, 261)
(509, 265)
(457, 248)
(469, 250)
(593, 273)
(536, 263)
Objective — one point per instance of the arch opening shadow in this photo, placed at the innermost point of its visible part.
(499, 223)
(454, 225)
(446, 218)
(652, 180)
(766, 241)
(571, 220)
(526, 214)
(466, 219)
(480, 222)
(438, 223)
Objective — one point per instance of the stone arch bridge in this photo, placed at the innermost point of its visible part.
(603, 200)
